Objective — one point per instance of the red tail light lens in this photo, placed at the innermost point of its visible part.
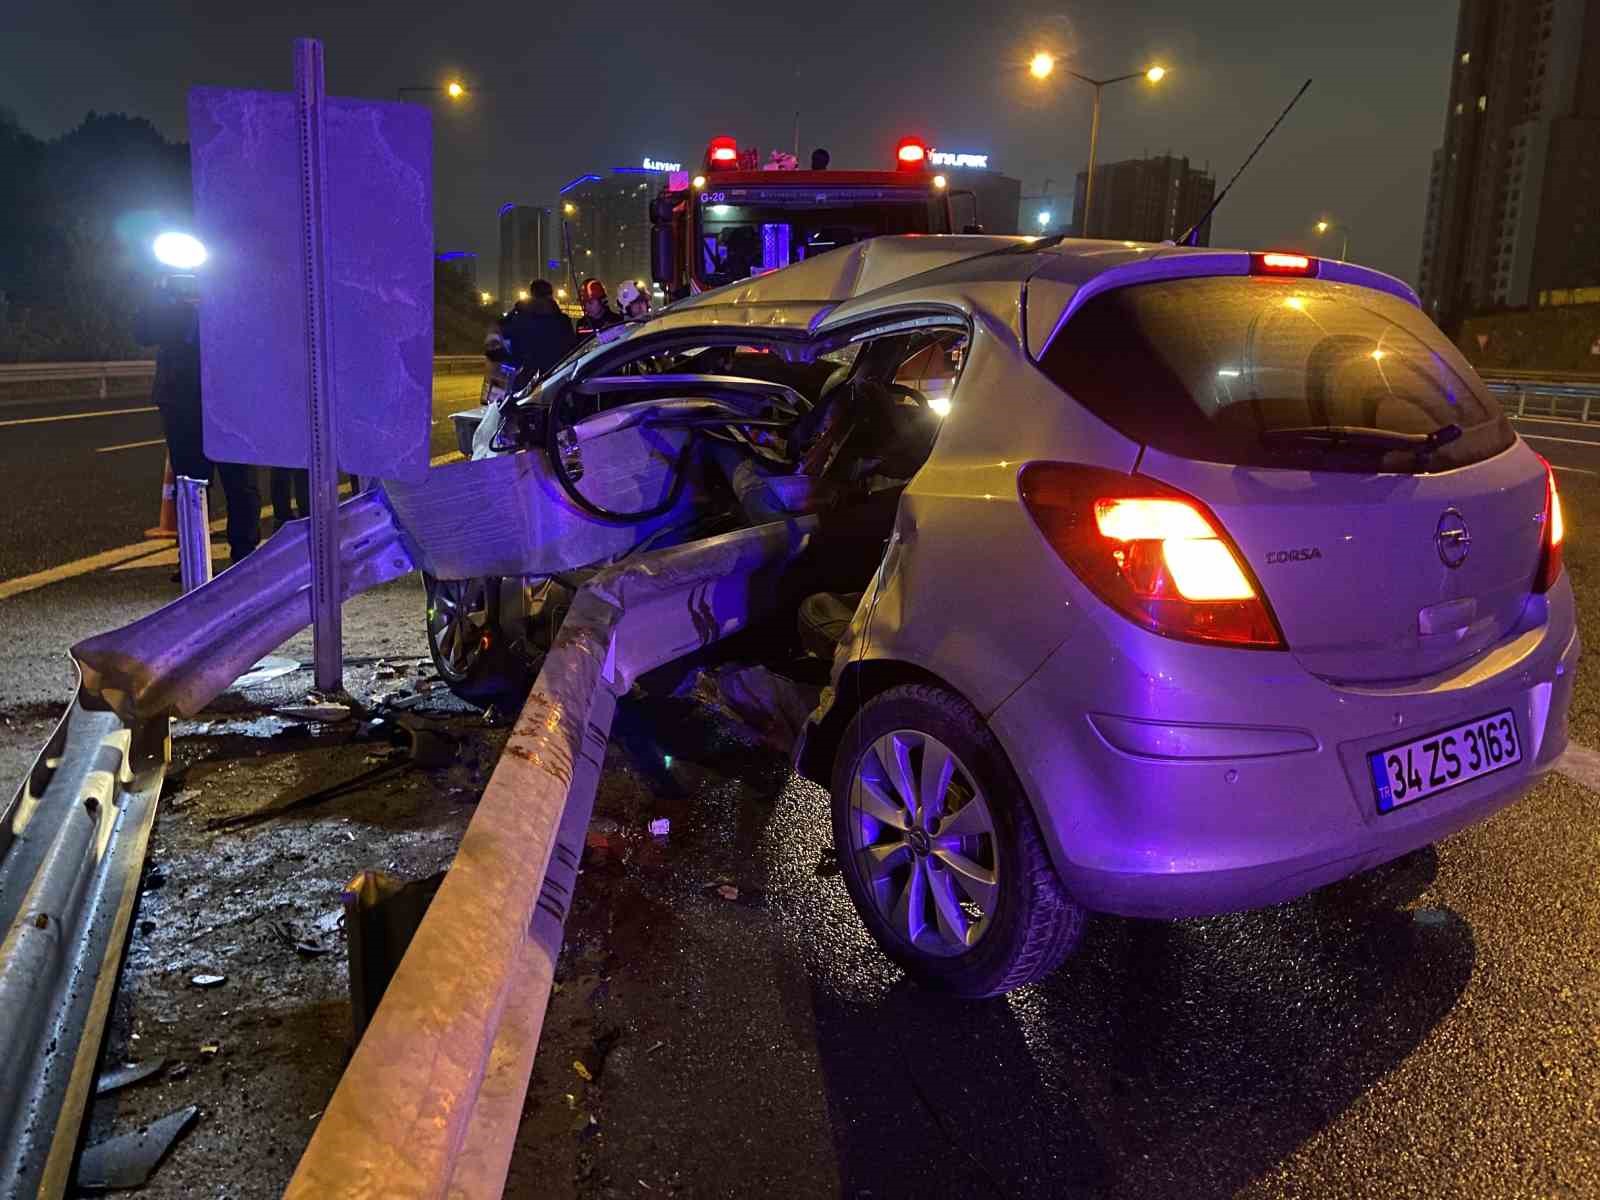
(1555, 532)
(1275, 263)
(1153, 553)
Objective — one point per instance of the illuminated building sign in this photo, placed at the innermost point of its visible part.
(944, 158)
(655, 164)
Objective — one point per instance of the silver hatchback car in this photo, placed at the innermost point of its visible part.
(1155, 581)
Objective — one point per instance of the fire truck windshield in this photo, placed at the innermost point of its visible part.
(744, 231)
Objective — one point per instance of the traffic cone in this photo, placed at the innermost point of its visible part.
(167, 527)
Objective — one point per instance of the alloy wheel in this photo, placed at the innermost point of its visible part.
(924, 840)
(458, 622)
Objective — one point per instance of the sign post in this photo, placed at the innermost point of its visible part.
(316, 305)
(327, 625)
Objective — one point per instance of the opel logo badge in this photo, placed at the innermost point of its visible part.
(1452, 538)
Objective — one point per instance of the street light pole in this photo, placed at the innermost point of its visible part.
(1042, 64)
(1094, 151)
(1324, 226)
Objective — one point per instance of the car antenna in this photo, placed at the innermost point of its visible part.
(1192, 238)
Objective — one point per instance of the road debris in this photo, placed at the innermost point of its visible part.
(660, 827)
(128, 1160)
(324, 713)
(583, 1071)
(286, 933)
(209, 981)
(771, 708)
(266, 670)
(211, 1049)
(727, 891)
(126, 1075)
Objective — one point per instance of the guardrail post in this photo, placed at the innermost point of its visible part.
(1522, 403)
(103, 374)
(194, 533)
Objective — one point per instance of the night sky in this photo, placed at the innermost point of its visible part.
(567, 88)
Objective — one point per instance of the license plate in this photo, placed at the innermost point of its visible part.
(1437, 762)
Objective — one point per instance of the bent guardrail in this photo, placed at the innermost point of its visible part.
(73, 836)
(431, 1100)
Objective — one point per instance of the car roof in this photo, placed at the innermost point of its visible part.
(969, 271)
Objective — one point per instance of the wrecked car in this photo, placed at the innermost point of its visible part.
(1143, 580)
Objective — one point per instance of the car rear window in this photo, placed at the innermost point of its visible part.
(1204, 367)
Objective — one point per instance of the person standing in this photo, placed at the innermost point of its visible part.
(170, 321)
(535, 335)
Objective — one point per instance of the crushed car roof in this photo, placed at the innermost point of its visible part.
(913, 268)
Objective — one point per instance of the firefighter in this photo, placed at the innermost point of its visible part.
(635, 300)
(598, 315)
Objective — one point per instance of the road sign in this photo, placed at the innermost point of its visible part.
(250, 213)
(316, 302)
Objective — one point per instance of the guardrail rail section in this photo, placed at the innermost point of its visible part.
(430, 1102)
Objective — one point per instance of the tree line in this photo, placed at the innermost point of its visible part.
(77, 216)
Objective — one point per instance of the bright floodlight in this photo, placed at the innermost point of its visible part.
(1156, 74)
(1045, 218)
(180, 251)
(1042, 64)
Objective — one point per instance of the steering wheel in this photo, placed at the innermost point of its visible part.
(690, 413)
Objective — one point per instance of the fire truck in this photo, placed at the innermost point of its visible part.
(736, 217)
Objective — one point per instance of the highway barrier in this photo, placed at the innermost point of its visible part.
(430, 1103)
(1564, 397)
(100, 374)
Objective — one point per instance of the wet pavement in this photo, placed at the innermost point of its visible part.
(1432, 1029)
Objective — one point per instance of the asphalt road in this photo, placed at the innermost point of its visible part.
(1572, 446)
(78, 477)
(1431, 1030)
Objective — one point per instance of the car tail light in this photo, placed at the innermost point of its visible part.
(911, 154)
(1277, 263)
(1155, 554)
(722, 153)
(1555, 532)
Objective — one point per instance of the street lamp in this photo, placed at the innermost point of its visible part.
(1324, 226)
(1045, 217)
(569, 208)
(455, 90)
(484, 297)
(1043, 65)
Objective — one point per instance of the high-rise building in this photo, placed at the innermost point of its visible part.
(1144, 200)
(530, 249)
(608, 219)
(1513, 208)
(463, 262)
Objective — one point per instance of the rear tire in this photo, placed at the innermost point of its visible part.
(940, 850)
(469, 646)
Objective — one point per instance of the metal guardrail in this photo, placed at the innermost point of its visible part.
(1569, 398)
(72, 846)
(430, 1103)
(101, 373)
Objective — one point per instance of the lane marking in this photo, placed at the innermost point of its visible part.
(1576, 470)
(130, 445)
(105, 412)
(1545, 437)
(122, 554)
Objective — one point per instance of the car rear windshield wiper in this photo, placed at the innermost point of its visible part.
(1361, 437)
